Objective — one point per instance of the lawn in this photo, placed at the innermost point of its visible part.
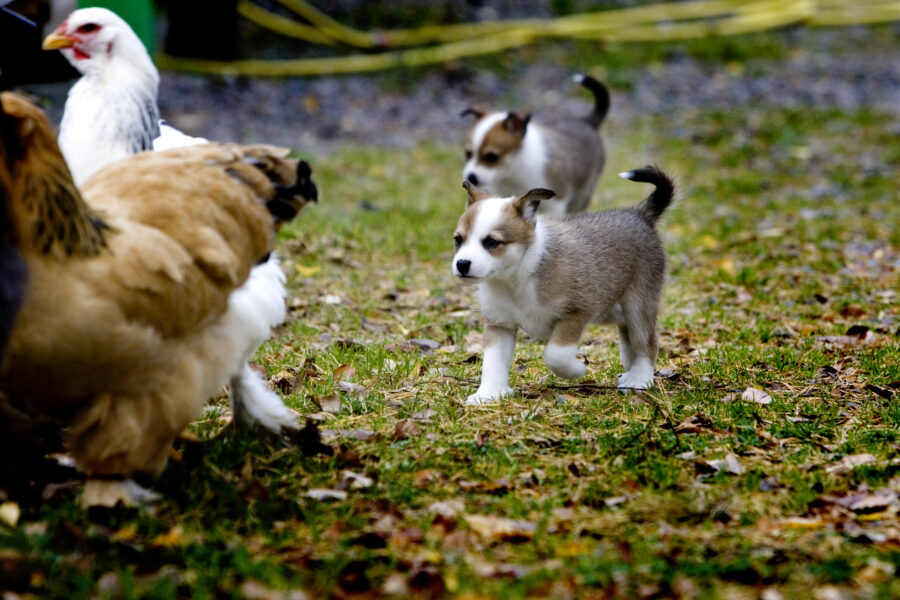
(763, 464)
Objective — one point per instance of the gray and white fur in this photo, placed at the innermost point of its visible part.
(553, 277)
(510, 154)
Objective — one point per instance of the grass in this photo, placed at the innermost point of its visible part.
(784, 240)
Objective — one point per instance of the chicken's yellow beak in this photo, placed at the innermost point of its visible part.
(56, 40)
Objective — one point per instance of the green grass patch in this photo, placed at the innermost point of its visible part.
(781, 243)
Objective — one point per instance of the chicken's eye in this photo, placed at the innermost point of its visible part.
(490, 158)
(457, 240)
(88, 28)
(490, 243)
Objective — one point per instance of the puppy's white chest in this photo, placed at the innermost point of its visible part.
(516, 308)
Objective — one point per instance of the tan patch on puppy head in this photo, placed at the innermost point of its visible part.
(503, 138)
(509, 230)
(512, 229)
(507, 234)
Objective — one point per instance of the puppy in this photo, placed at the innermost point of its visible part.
(552, 277)
(510, 154)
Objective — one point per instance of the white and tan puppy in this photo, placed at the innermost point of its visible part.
(509, 154)
(551, 277)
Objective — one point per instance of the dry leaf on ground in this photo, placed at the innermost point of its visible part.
(500, 528)
(757, 396)
(405, 428)
(325, 494)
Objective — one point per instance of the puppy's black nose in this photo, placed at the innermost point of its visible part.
(463, 265)
(473, 178)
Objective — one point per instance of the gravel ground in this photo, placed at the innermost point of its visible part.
(845, 68)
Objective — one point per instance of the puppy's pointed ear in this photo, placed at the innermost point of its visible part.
(476, 112)
(526, 206)
(515, 124)
(476, 194)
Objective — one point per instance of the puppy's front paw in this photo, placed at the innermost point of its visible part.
(563, 361)
(571, 370)
(633, 380)
(483, 396)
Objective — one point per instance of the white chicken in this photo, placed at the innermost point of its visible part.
(111, 113)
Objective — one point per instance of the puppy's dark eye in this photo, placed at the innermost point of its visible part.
(88, 28)
(457, 240)
(490, 243)
(468, 154)
(490, 158)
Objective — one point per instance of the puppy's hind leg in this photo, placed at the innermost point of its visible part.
(562, 347)
(641, 344)
(499, 344)
(626, 352)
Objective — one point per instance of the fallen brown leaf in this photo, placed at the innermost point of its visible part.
(848, 463)
(352, 388)
(426, 477)
(344, 373)
(329, 404)
(757, 396)
(472, 343)
(500, 528)
(405, 428)
(448, 509)
(694, 424)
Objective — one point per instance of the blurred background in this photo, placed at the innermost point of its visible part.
(359, 80)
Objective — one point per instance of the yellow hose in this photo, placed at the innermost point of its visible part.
(357, 63)
(282, 25)
(655, 22)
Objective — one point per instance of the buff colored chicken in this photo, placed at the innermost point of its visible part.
(125, 330)
(111, 113)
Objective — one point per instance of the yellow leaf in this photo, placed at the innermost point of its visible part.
(126, 533)
(451, 582)
(875, 516)
(174, 537)
(308, 271)
(570, 549)
(726, 264)
(9, 513)
(708, 241)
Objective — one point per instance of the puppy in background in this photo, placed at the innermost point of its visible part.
(551, 277)
(510, 154)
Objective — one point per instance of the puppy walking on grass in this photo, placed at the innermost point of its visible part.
(510, 154)
(551, 277)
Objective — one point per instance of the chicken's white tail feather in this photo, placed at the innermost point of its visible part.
(169, 137)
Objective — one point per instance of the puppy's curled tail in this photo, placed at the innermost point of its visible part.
(660, 199)
(601, 99)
